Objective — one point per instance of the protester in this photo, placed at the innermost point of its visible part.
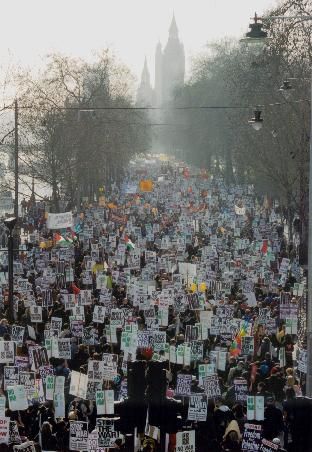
(193, 284)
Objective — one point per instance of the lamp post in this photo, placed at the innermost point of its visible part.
(259, 38)
(10, 224)
(256, 122)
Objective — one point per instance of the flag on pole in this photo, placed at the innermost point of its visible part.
(60, 240)
(130, 245)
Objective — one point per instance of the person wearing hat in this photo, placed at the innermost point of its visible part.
(231, 438)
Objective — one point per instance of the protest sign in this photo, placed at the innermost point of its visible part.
(64, 348)
(4, 430)
(197, 409)
(259, 408)
(44, 371)
(14, 436)
(93, 443)
(146, 185)
(98, 314)
(59, 404)
(49, 387)
(241, 390)
(247, 345)
(105, 402)
(17, 398)
(183, 387)
(78, 384)
(78, 435)
(143, 339)
(186, 441)
(204, 370)
(76, 327)
(7, 352)
(56, 323)
(28, 380)
(36, 314)
(211, 386)
(107, 434)
(95, 370)
(10, 376)
(251, 437)
(25, 447)
(302, 361)
(117, 318)
(110, 366)
(17, 334)
(159, 340)
(251, 408)
(22, 362)
(60, 220)
(268, 446)
(39, 357)
(192, 333)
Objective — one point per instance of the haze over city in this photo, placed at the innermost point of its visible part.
(33, 28)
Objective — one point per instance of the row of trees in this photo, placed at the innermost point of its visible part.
(230, 79)
(77, 126)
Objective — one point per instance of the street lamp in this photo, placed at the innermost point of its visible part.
(257, 34)
(256, 38)
(10, 224)
(286, 89)
(256, 122)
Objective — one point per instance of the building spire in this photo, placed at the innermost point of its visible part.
(145, 73)
(173, 30)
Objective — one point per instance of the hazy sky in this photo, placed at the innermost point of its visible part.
(32, 28)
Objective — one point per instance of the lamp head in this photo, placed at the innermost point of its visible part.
(286, 89)
(256, 38)
(256, 122)
(10, 223)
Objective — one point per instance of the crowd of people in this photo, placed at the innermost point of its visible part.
(175, 290)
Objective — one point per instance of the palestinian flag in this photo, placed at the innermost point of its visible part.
(130, 245)
(59, 239)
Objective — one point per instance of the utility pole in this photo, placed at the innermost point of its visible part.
(16, 159)
(10, 224)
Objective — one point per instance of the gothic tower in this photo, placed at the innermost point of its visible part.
(170, 64)
(145, 91)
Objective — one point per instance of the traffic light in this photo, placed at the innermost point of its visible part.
(133, 410)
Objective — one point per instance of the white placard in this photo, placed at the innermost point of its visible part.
(60, 220)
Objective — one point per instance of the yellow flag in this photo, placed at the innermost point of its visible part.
(193, 287)
(202, 287)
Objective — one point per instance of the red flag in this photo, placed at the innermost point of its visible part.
(264, 248)
(75, 289)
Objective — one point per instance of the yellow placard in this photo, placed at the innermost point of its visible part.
(146, 185)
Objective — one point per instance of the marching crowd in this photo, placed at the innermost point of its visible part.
(176, 290)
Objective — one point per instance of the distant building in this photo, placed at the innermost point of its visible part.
(169, 71)
(145, 90)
